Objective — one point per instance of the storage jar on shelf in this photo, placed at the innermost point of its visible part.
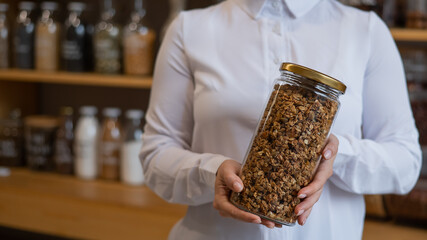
(23, 40)
(138, 43)
(47, 38)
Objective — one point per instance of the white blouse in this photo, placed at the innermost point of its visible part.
(213, 74)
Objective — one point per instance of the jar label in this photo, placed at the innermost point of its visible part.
(85, 150)
(39, 145)
(8, 148)
(47, 51)
(131, 168)
(138, 53)
(63, 152)
(107, 55)
(107, 49)
(22, 44)
(24, 47)
(71, 50)
(86, 165)
(110, 153)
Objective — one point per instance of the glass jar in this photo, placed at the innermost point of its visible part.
(416, 14)
(287, 145)
(23, 40)
(47, 39)
(85, 144)
(418, 96)
(107, 42)
(73, 46)
(12, 140)
(138, 44)
(63, 155)
(4, 36)
(109, 145)
(390, 12)
(367, 5)
(39, 138)
(130, 166)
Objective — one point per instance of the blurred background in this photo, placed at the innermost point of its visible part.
(75, 80)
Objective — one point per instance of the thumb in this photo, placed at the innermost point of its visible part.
(230, 177)
(331, 147)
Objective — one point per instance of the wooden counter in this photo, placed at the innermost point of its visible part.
(65, 206)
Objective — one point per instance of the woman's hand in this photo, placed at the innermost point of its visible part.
(227, 180)
(311, 193)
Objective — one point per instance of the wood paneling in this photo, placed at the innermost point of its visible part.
(53, 96)
(18, 95)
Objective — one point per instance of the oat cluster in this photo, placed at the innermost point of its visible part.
(285, 152)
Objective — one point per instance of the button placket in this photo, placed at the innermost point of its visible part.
(275, 47)
(276, 5)
(277, 28)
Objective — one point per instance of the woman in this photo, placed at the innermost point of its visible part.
(213, 75)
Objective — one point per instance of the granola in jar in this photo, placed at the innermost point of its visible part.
(287, 147)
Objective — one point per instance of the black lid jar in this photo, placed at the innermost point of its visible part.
(39, 140)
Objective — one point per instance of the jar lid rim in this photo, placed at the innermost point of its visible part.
(314, 75)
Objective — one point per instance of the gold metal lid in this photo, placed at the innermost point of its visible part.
(314, 75)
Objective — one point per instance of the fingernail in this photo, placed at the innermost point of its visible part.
(303, 222)
(300, 212)
(327, 154)
(257, 221)
(237, 186)
(302, 195)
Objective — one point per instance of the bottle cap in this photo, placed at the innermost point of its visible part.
(76, 6)
(111, 112)
(49, 6)
(4, 7)
(27, 5)
(88, 110)
(134, 114)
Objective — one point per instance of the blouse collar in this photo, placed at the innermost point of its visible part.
(298, 8)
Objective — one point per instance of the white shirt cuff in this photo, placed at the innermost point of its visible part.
(210, 168)
(345, 151)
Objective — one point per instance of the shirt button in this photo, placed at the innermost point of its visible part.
(276, 5)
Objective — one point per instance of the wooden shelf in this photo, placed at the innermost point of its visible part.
(144, 82)
(409, 35)
(91, 79)
(66, 206)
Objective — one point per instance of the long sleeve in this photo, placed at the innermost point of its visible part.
(388, 158)
(171, 169)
